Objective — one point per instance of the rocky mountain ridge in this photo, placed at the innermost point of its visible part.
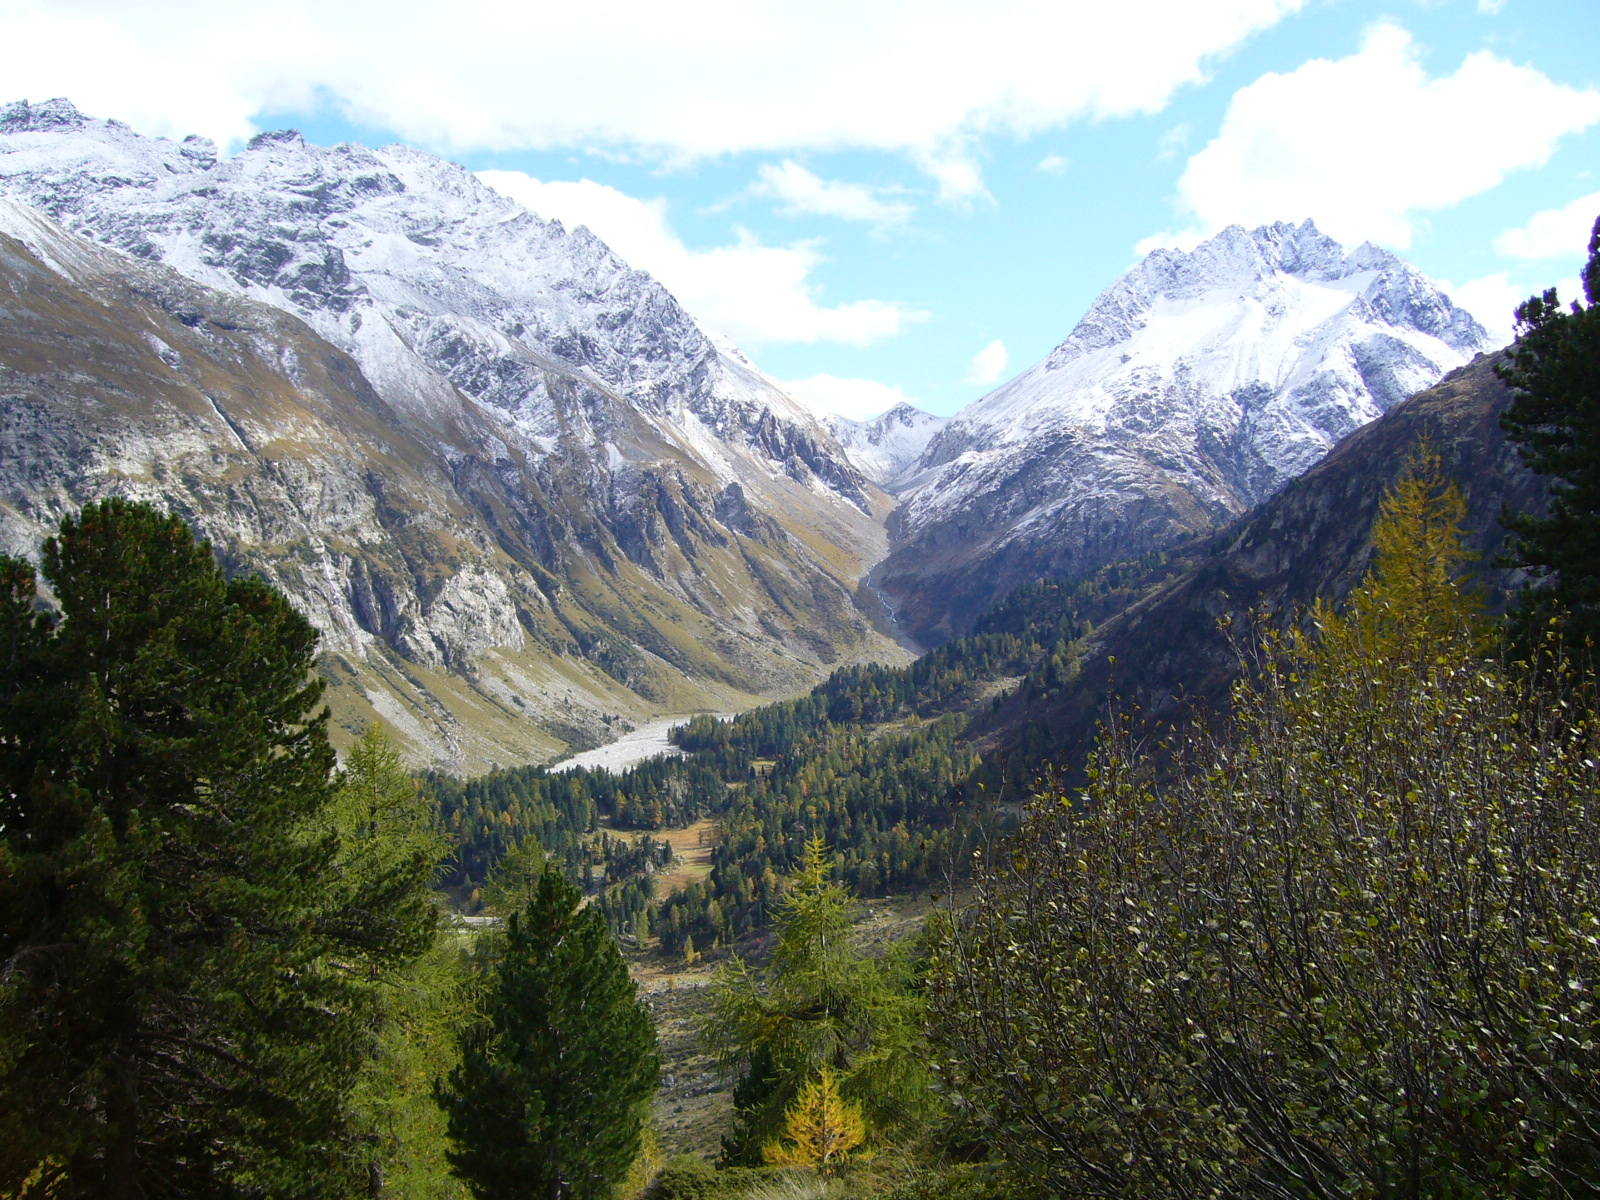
(888, 447)
(424, 275)
(1193, 389)
(1168, 649)
(599, 488)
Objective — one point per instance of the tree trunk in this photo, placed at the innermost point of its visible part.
(121, 1161)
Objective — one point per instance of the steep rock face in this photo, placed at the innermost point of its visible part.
(1168, 650)
(703, 534)
(469, 590)
(888, 447)
(425, 276)
(1194, 388)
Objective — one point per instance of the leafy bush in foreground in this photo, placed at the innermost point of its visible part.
(1350, 950)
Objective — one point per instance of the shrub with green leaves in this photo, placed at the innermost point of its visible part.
(1348, 948)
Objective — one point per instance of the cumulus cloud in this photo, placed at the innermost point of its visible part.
(674, 82)
(800, 193)
(1054, 164)
(1494, 298)
(989, 363)
(754, 293)
(858, 399)
(1553, 233)
(1367, 144)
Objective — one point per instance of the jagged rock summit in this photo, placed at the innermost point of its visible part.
(1193, 389)
(426, 276)
(886, 447)
(574, 502)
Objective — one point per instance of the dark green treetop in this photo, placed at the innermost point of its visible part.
(549, 1099)
(183, 995)
(1555, 417)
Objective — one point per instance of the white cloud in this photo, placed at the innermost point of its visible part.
(675, 82)
(1494, 298)
(753, 293)
(1054, 164)
(1553, 233)
(1368, 143)
(1172, 142)
(989, 363)
(800, 192)
(1491, 7)
(858, 399)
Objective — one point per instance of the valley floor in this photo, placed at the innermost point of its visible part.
(647, 741)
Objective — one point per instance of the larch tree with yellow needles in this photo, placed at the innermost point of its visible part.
(820, 1129)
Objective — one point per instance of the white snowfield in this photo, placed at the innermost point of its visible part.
(651, 740)
(888, 446)
(436, 284)
(1269, 345)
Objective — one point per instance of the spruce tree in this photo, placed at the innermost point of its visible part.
(819, 1006)
(182, 976)
(1555, 417)
(550, 1097)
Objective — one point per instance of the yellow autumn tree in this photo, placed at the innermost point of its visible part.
(820, 1128)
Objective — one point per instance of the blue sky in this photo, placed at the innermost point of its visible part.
(911, 199)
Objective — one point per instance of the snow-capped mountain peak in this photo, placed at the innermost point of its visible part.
(1194, 387)
(888, 447)
(1336, 338)
(431, 279)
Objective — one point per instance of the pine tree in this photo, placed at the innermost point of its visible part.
(183, 995)
(1555, 369)
(550, 1097)
(818, 1005)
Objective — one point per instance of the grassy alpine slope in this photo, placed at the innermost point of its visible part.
(488, 609)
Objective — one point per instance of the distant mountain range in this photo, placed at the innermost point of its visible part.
(1195, 387)
(527, 498)
(888, 449)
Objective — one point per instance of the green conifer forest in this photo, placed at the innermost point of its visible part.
(1340, 940)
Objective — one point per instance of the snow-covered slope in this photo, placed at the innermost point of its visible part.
(1194, 388)
(426, 276)
(599, 479)
(888, 446)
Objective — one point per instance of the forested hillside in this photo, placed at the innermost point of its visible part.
(1335, 938)
(903, 771)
